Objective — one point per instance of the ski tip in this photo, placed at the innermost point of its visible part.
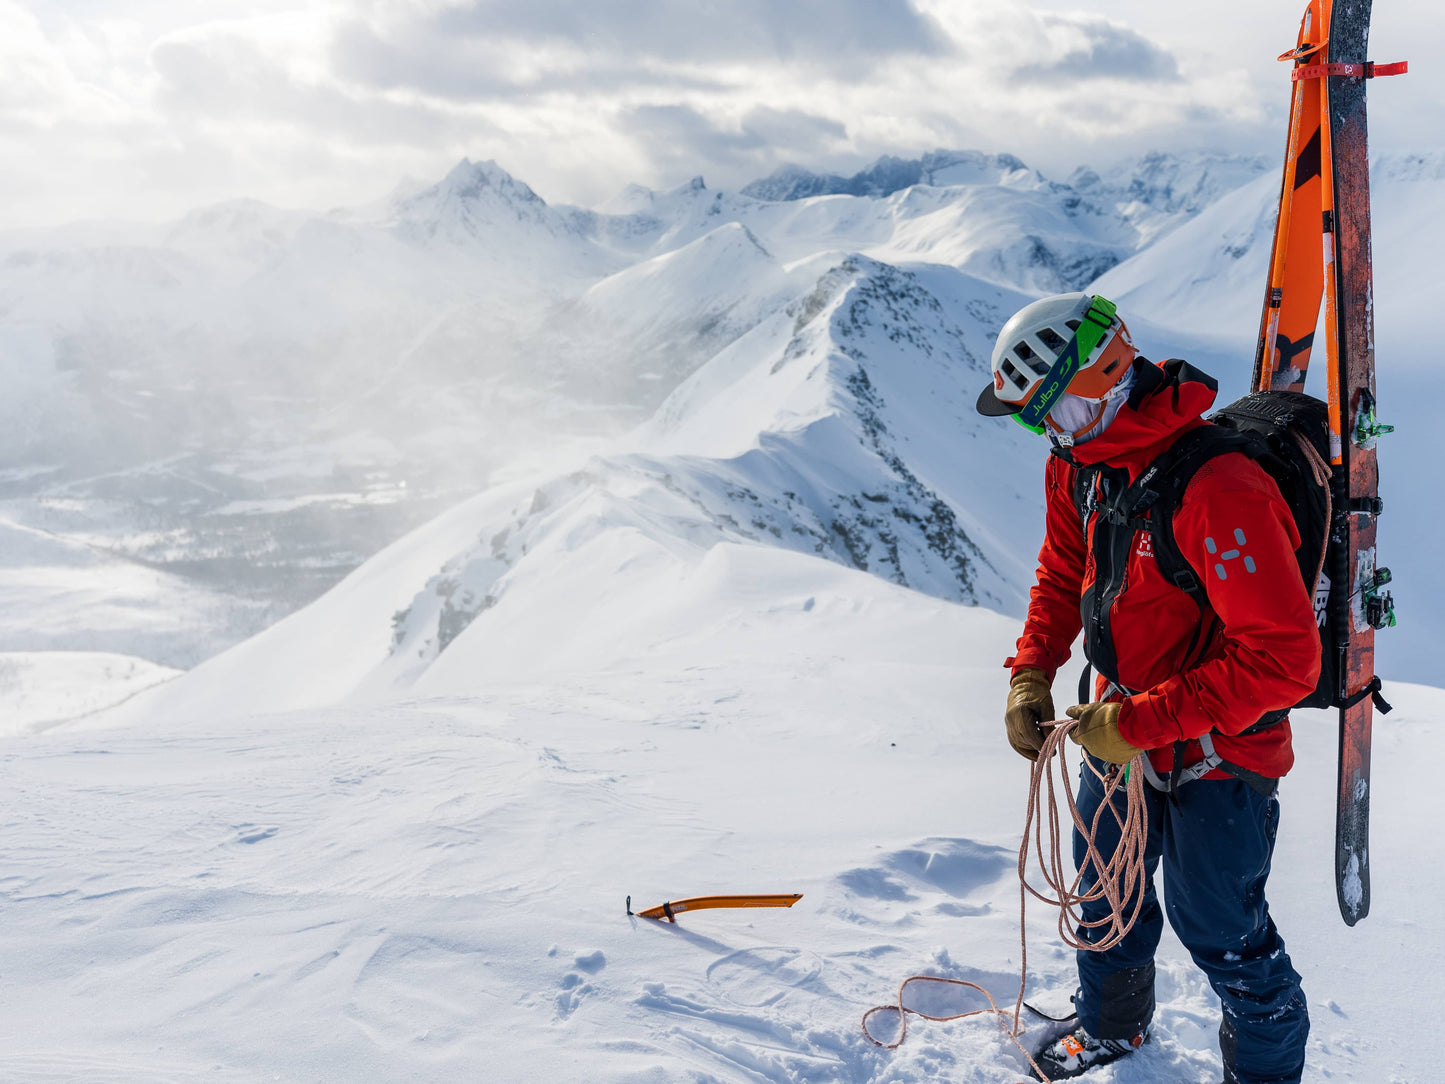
(1350, 916)
(1354, 900)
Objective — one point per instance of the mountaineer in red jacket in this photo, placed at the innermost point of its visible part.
(1199, 680)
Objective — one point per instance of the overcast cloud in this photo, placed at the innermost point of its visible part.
(145, 108)
(1087, 47)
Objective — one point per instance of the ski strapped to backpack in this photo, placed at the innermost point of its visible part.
(1322, 252)
(1287, 434)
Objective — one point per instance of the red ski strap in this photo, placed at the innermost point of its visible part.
(1303, 50)
(1368, 70)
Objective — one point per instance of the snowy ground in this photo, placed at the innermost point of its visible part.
(432, 888)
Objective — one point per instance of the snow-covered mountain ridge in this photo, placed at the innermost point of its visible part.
(890, 174)
(1153, 192)
(242, 321)
(108, 340)
(841, 427)
(256, 399)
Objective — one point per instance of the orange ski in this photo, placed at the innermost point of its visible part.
(672, 908)
(1296, 266)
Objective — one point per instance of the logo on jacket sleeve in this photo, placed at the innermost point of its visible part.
(1228, 555)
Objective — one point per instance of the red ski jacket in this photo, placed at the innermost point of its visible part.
(1261, 646)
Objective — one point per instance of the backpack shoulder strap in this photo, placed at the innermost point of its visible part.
(1147, 504)
(1086, 482)
(1160, 491)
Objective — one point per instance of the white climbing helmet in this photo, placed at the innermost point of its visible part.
(1074, 343)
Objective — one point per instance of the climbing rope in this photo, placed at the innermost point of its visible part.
(1118, 879)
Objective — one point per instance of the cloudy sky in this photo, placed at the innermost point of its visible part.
(146, 108)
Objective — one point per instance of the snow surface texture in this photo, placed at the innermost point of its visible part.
(430, 886)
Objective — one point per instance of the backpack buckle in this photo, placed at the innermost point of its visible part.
(1186, 580)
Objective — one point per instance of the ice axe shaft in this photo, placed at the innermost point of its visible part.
(672, 908)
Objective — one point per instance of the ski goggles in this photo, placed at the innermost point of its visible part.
(1093, 329)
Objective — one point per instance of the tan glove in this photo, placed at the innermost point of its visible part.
(1098, 732)
(1030, 702)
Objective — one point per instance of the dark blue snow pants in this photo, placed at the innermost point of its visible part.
(1216, 839)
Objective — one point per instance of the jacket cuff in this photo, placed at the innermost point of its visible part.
(1026, 660)
(1143, 727)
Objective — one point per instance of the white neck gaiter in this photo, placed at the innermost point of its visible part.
(1072, 413)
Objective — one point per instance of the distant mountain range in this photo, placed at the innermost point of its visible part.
(242, 321)
(256, 400)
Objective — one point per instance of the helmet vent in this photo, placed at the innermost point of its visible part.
(1052, 339)
(1025, 352)
(1018, 379)
(1072, 325)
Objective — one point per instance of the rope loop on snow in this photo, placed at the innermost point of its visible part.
(1118, 880)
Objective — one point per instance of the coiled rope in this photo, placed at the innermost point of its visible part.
(1118, 879)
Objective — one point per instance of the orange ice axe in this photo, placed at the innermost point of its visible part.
(672, 908)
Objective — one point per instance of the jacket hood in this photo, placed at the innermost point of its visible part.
(1166, 399)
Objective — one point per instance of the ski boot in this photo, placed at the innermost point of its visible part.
(1077, 1052)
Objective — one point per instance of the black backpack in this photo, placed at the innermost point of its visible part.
(1286, 433)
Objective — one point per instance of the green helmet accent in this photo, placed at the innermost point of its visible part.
(1093, 329)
